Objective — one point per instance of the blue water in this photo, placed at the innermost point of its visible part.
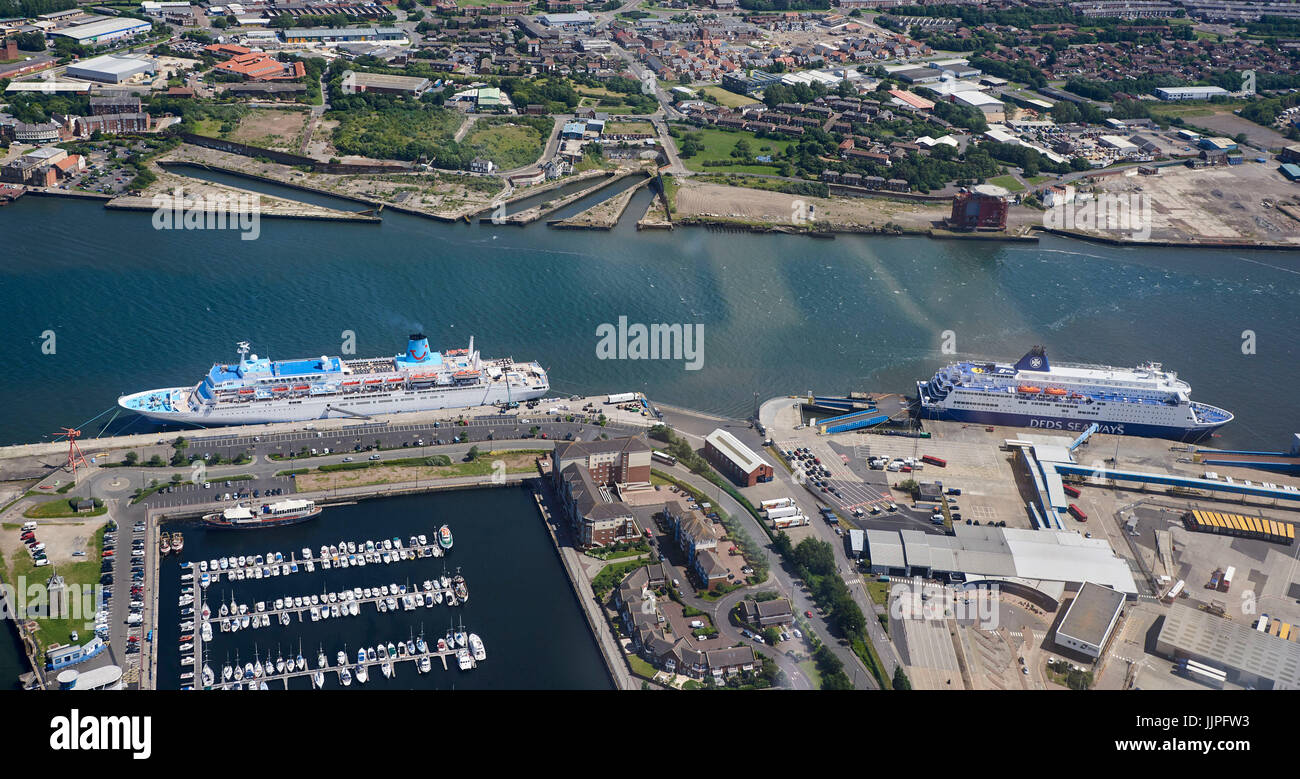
(520, 603)
(134, 308)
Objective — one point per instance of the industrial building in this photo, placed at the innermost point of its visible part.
(581, 20)
(1249, 657)
(1041, 565)
(1190, 93)
(111, 69)
(735, 460)
(104, 31)
(992, 108)
(1090, 619)
(354, 83)
(331, 35)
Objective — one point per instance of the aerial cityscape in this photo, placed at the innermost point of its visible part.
(826, 345)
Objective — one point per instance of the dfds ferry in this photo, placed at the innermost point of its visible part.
(1142, 401)
(256, 390)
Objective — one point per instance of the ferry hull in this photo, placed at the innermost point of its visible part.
(1067, 425)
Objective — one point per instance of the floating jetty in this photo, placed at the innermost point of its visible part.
(466, 649)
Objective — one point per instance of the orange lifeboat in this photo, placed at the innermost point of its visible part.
(1028, 389)
(1055, 391)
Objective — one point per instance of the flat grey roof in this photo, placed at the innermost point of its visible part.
(1232, 645)
(1091, 614)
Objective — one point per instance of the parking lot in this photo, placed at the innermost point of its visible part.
(837, 479)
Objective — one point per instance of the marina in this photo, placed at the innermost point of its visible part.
(402, 603)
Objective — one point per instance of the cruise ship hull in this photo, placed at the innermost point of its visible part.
(338, 407)
(1066, 424)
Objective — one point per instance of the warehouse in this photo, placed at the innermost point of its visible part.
(354, 83)
(104, 31)
(1250, 658)
(1038, 564)
(990, 106)
(735, 460)
(1090, 619)
(110, 69)
(1190, 93)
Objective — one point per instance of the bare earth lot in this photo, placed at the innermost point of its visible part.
(272, 128)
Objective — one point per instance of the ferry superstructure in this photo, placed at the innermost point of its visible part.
(1142, 401)
(257, 390)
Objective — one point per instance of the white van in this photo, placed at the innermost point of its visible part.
(29, 526)
(695, 623)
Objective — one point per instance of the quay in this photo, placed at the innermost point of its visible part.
(530, 215)
(604, 215)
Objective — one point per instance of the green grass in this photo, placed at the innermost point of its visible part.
(619, 128)
(867, 653)
(1008, 182)
(809, 669)
(641, 667)
(508, 145)
(722, 97)
(83, 574)
(63, 508)
(879, 592)
(716, 145)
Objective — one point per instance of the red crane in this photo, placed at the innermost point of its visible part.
(74, 452)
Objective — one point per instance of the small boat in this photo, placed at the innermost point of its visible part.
(226, 672)
(476, 646)
(318, 679)
(370, 655)
(393, 651)
(178, 542)
(410, 648)
(423, 541)
(345, 676)
(424, 664)
(279, 664)
(420, 645)
(442, 645)
(362, 676)
(387, 668)
(354, 609)
(444, 537)
(164, 543)
(464, 659)
(187, 646)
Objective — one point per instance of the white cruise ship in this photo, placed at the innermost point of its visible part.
(256, 390)
(1142, 401)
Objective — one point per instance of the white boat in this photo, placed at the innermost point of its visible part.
(187, 646)
(476, 646)
(206, 631)
(345, 676)
(342, 658)
(464, 659)
(257, 669)
(318, 679)
(354, 609)
(299, 662)
(315, 614)
(226, 672)
(321, 660)
(284, 618)
(387, 668)
(279, 664)
(424, 664)
(208, 676)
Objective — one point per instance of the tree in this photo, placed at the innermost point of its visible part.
(282, 22)
(131, 458)
(772, 636)
(156, 460)
(901, 682)
(473, 454)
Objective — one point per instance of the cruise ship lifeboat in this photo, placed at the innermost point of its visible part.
(1028, 389)
(1055, 391)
